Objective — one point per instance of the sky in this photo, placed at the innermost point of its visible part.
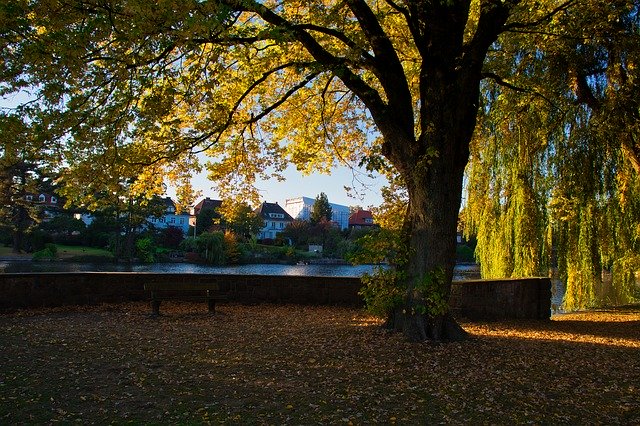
(297, 185)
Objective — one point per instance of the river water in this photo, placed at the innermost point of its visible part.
(461, 271)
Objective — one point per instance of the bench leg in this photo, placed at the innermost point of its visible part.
(155, 307)
(211, 305)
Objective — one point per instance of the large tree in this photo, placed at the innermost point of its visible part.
(132, 85)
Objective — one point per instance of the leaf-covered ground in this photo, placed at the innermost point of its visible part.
(270, 364)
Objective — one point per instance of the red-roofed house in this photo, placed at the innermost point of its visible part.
(361, 219)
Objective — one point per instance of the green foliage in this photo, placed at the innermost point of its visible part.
(380, 246)
(554, 166)
(100, 230)
(211, 247)
(240, 219)
(386, 289)
(49, 252)
(145, 250)
(189, 244)
(383, 291)
(37, 240)
(431, 297)
(298, 232)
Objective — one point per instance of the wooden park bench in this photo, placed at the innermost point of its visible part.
(210, 292)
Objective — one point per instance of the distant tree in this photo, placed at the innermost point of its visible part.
(171, 237)
(327, 235)
(321, 209)
(211, 247)
(63, 224)
(205, 220)
(297, 232)
(240, 219)
(100, 230)
(20, 175)
(231, 249)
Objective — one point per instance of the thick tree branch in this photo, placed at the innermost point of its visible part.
(389, 69)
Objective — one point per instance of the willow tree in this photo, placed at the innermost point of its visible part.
(553, 180)
(142, 87)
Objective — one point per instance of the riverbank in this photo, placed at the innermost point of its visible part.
(290, 364)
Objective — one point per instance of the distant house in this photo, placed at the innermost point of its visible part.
(361, 219)
(206, 204)
(275, 220)
(49, 204)
(170, 217)
(301, 207)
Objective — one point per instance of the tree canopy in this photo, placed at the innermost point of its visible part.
(137, 90)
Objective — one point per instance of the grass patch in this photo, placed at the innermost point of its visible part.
(70, 251)
(270, 364)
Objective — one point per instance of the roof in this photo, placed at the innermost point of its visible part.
(207, 203)
(361, 218)
(266, 210)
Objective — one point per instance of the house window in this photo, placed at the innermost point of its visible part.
(162, 220)
(54, 200)
(172, 220)
(281, 225)
(29, 197)
(181, 221)
(273, 225)
(42, 198)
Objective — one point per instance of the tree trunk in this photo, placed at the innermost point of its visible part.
(16, 247)
(433, 175)
(22, 222)
(431, 229)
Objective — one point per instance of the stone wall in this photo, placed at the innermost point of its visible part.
(524, 298)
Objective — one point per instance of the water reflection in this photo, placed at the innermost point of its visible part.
(461, 271)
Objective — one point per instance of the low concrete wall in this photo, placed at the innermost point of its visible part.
(526, 298)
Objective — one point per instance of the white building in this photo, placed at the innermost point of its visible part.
(170, 217)
(275, 220)
(301, 207)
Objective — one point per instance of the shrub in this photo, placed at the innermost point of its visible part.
(37, 240)
(189, 245)
(210, 246)
(145, 250)
(50, 251)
